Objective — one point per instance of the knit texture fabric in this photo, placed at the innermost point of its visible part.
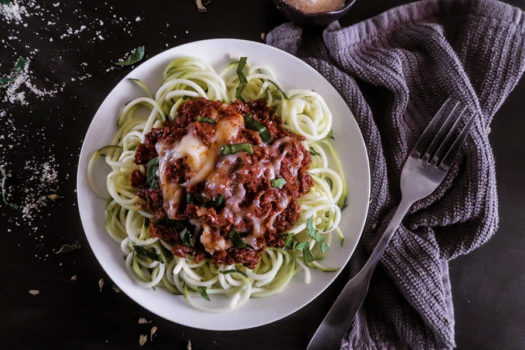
(394, 71)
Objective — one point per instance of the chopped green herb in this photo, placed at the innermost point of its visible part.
(301, 245)
(331, 135)
(186, 237)
(206, 120)
(278, 183)
(235, 148)
(147, 253)
(136, 56)
(307, 255)
(237, 240)
(5, 1)
(278, 88)
(324, 247)
(253, 124)
(312, 232)
(242, 78)
(234, 271)
(2, 187)
(216, 202)
(289, 241)
(18, 68)
(203, 292)
(151, 173)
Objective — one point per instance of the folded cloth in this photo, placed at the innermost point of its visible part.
(394, 71)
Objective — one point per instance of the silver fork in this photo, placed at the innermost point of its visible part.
(424, 170)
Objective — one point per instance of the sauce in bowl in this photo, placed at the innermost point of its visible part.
(315, 6)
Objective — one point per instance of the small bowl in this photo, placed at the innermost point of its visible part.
(317, 19)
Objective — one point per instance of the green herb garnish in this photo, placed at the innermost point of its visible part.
(203, 292)
(331, 135)
(313, 152)
(151, 173)
(136, 56)
(253, 124)
(147, 253)
(237, 240)
(312, 232)
(235, 148)
(278, 183)
(201, 119)
(234, 271)
(242, 78)
(307, 255)
(2, 187)
(5, 1)
(288, 243)
(19, 67)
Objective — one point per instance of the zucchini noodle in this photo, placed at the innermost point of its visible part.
(149, 260)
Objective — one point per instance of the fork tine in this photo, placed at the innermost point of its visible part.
(458, 142)
(452, 117)
(445, 142)
(426, 137)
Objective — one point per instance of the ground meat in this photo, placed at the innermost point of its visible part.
(167, 234)
(246, 256)
(144, 153)
(288, 217)
(153, 201)
(137, 179)
(250, 203)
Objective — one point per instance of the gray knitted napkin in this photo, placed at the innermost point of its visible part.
(394, 71)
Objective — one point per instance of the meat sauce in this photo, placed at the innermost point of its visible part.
(223, 195)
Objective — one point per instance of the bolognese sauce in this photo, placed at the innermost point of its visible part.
(222, 180)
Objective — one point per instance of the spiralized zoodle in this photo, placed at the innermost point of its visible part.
(149, 260)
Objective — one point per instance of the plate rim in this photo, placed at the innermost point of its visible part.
(80, 177)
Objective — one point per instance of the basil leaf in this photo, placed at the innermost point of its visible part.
(235, 148)
(234, 271)
(307, 255)
(301, 245)
(5, 1)
(278, 183)
(186, 237)
(253, 124)
(242, 78)
(2, 188)
(237, 240)
(151, 173)
(147, 253)
(216, 202)
(201, 119)
(324, 247)
(18, 68)
(136, 56)
(289, 241)
(312, 232)
(203, 292)
(278, 88)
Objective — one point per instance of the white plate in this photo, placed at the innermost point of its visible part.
(292, 73)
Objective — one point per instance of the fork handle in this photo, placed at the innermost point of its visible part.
(336, 322)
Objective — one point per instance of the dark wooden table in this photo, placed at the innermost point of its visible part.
(71, 47)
